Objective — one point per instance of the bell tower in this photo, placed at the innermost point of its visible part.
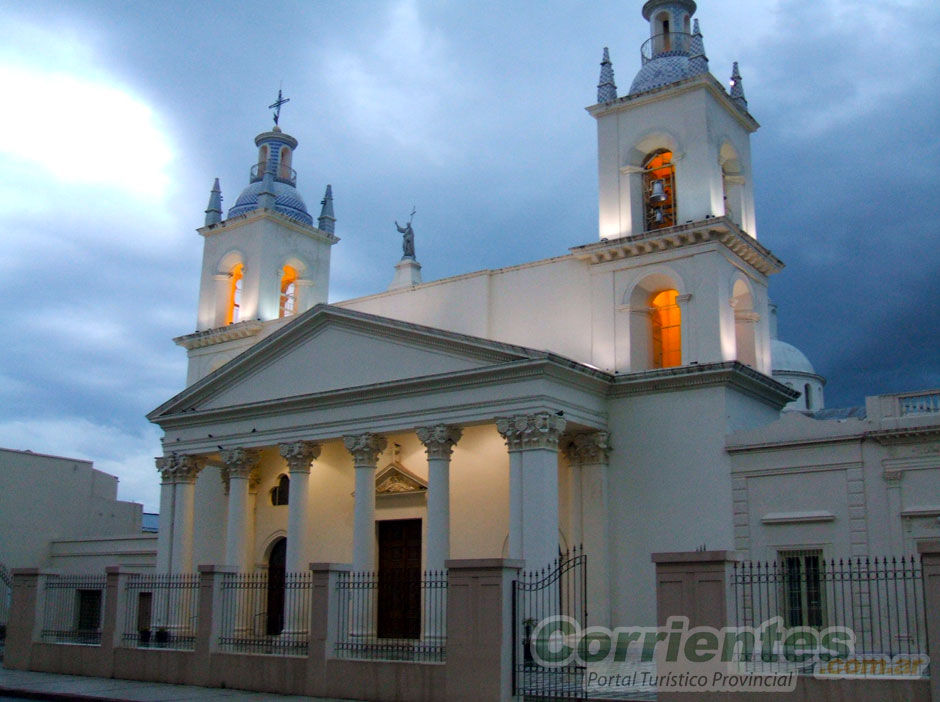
(262, 265)
(676, 148)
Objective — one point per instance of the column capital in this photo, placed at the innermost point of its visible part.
(240, 463)
(365, 448)
(528, 431)
(299, 455)
(439, 439)
(586, 447)
(179, 467)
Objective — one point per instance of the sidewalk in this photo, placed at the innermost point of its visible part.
(50, 686)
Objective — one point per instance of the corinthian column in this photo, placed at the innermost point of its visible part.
(178, 473)
(439, 441)
(365, 450)
(241, 467)
(587, 454)
(299, 455)
(165, 533)
(532, 440)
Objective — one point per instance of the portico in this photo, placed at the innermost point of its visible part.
(482, 434)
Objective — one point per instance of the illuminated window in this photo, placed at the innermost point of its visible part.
(234, 294)
(288, 291)
(666, 329)
(659, 191)
(280, 492)
(283, 170)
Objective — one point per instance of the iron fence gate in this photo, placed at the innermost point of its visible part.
(536, 595)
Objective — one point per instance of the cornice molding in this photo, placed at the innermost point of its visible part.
(664, 92)
(218, 335)
(732, 373)
(721, 230)
(904, 435)
(259, 214)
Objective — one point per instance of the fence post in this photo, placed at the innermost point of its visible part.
(324, 620)
(111, 620)
(479, 629)
(209, 618)
(930, 567)
(695, 584)
(25, 625)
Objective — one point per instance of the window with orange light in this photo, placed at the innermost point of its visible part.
(234, 294)
(659, 191)
(288, 291)
(667, 329)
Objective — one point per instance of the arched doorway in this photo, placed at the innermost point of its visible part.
(277, 560)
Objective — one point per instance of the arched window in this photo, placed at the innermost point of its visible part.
(666, 329)
(262, 160)
(659, 191)
(807, 396)
(288, 292)
(283, 170)
(281, 491)
(235, 294)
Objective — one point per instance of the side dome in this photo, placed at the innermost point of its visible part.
(287, 201)
(786, 357)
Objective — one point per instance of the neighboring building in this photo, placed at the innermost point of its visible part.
(63, 514)
(626, 395)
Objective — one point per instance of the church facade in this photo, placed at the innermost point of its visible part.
(629, 395)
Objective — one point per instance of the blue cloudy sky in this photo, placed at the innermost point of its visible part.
(116, 116)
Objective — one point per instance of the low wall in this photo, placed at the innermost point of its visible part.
(475, 670)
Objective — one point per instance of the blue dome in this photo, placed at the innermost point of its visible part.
(287, 201)
(665, 68)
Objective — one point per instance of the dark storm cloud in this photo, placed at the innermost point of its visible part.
(473, 112)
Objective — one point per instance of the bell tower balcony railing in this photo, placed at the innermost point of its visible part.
(283, 175)
(668, 44)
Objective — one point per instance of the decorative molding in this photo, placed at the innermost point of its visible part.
(893, 477)
(530, 431)
(921, 511)
(240, 463)
(299, 455)
(721, 230)
(587, 447)
(365, 448)
(439, 439)
(395, 479)
(210, 337)
(797, 517)
(902, 435)
(180, 467)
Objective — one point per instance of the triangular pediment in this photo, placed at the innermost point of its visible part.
(330, 349)
(395, 479)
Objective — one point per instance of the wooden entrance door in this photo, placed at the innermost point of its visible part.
(399, 606)
(276, 563)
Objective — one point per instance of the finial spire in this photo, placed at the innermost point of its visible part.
(214, 210)
(737, 88)
(276, 106)
(698, 61)
(606, 88)
(327, 222)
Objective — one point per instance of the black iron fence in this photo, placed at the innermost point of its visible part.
(161, 611)
(266, 612)
(559, 590)
(72, 609)
(400, 616)
(880, 599)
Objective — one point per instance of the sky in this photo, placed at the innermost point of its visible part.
(116, 117)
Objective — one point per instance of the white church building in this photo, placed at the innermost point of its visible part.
(629, 395)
